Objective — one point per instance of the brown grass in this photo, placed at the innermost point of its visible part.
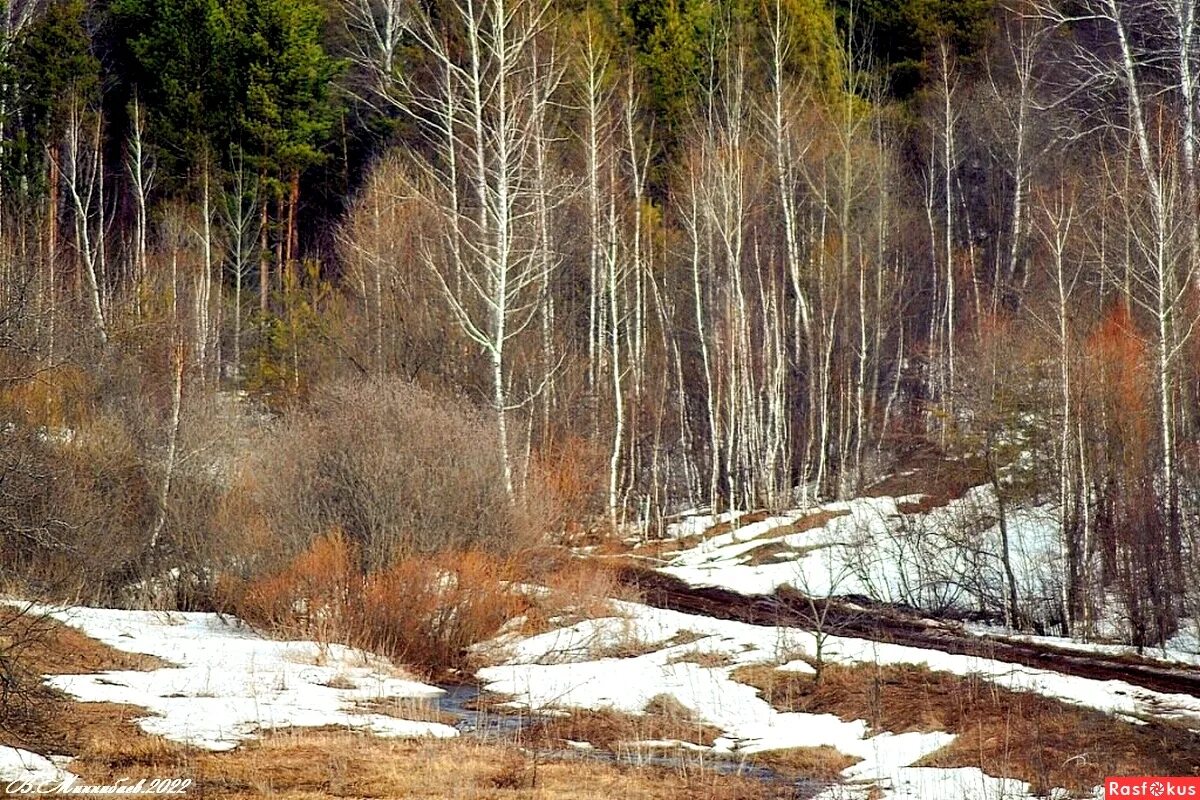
(1012, 734)
(317, 763)
(43, 719)
(929, 473)
(411, 708)
(662, 549)
(814, 763)
(664, 718)
(57, 649)
(731, 525)
(651, 549)
(338, 763)
(775, 552)
(577, 589)
(705, 658)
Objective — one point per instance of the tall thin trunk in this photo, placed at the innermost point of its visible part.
(164, 487)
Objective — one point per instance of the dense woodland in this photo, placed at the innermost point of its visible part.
(631, 256)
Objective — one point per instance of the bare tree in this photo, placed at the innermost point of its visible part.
(1016, 84)
(481, 110)
(83, 174)
(1154, 74)
(376, 30)
(1054, 221)
(238, 215)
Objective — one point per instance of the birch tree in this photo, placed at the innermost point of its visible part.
(140, 168)
(479, 112)
(375, 30)
(238, 215)
(1055, 219)
(83, 176)
(1152, 78)
(1016, 84)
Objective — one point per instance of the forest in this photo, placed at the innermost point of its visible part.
(444, 275)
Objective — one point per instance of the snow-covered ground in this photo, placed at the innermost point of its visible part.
(21, 765)
(560, 669)
(1182, 648)
(226, 683)
(943, 559)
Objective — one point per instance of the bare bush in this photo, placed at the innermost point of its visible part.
(397, 469)
(24, 699)
(72, 506)
(428, 610)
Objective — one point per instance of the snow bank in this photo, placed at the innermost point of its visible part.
(946, 558)
(226, 683)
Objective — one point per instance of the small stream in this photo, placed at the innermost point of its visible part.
(460, 702)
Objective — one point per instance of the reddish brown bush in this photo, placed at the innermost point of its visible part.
(427, 611)
(423, 610)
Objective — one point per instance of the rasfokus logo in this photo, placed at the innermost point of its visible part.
(1156, 786)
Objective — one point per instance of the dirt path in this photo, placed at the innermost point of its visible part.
(888, 624)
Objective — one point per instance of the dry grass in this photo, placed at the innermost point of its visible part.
(929, 473)
(43, 720)
(731, 525)
(651, 549)
(809, 522)
(411, 708)
(705, 658)
(1012, 734)
(575, 589)
(775, 552)
(813, 763)
(339, 763)
(664, 718)
(663, 549)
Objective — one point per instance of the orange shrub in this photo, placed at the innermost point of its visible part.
(313, 596)
(569, 476)
(426, 611)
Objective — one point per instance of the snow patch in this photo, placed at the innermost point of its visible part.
(227, 682)
(21, 765)
(534, 678)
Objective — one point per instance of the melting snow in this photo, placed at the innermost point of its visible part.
(226, 682)
(22, 765)
(560, 669)
(941, 559)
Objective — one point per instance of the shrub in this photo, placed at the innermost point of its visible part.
(399, 470)
(24, 699)
(425, 610)
(312, 597)
(73, 513)
(571, 476)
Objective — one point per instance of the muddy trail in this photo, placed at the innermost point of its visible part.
(884, 623)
